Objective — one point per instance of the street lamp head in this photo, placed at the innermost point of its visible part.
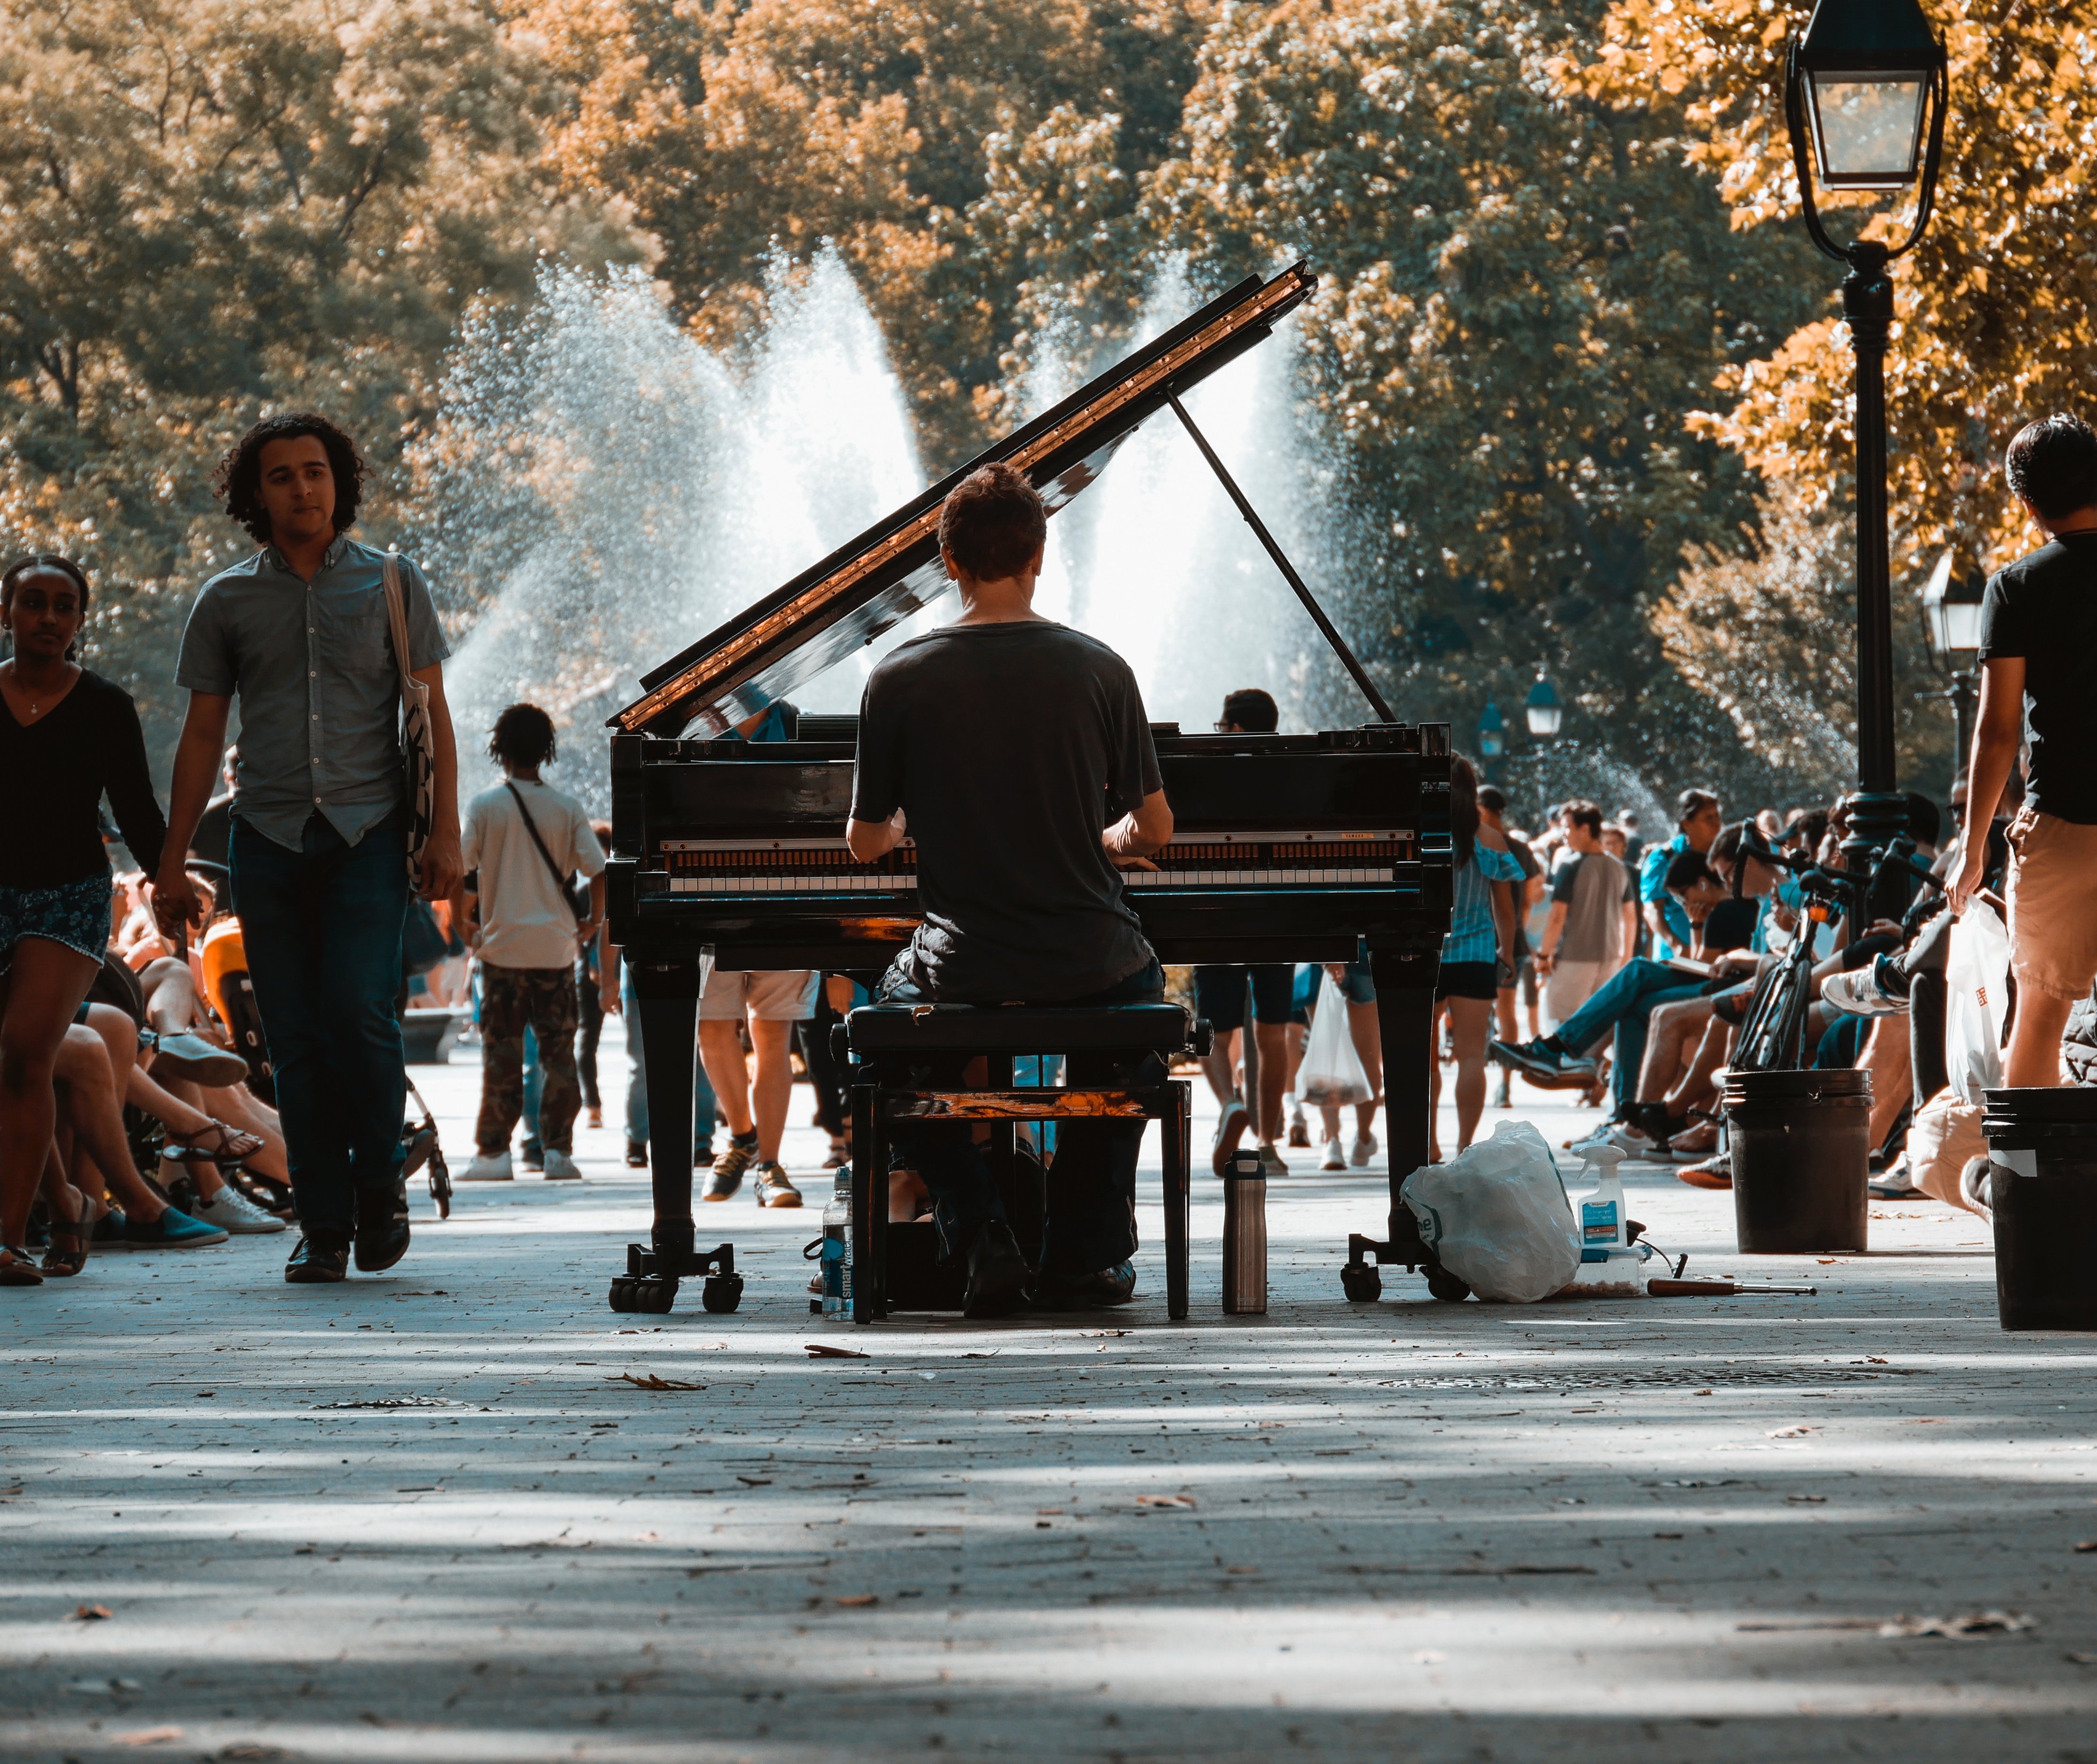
(1867, 81)
(1542, 710)
(1868, 66)
(1492, 732)
(1951, 612)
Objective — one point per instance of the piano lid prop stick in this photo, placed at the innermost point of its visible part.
(1282, 562)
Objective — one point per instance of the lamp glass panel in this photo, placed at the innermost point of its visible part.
(1868, 128)
(1959, 626)
(1544, 719)
(1491, 743)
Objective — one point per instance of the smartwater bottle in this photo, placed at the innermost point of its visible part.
(837, 1248)
(1245, 1235)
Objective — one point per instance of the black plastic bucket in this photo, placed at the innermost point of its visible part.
(1802, 1158)
(2042, 1190)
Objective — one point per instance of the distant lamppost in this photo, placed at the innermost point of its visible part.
(1952, 615)
(1492, 732)
(1860, 84)
(1545, 714)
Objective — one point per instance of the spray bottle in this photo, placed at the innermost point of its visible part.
(1611, 1265)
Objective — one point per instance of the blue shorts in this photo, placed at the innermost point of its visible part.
(74, 913)
(1219, 994)
(1356, 987)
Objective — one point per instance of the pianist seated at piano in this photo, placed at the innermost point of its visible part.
(1001, 743)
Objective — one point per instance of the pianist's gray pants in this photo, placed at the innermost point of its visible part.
(1091, 1222)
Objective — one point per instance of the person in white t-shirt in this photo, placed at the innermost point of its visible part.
(524, 842)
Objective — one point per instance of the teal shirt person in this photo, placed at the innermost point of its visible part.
(1653, 888)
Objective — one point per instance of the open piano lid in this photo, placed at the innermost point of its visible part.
(872, 584)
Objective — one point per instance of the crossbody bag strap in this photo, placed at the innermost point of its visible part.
(553, 869)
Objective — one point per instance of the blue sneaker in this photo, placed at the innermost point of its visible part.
(174, 1229)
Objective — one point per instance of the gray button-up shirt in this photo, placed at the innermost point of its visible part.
(320, 696)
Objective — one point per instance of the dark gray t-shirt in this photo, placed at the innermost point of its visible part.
(1009, 747)
(2044, 608)
(1594, 886)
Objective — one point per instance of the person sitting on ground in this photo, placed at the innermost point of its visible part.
(997, 740)
(523, 840)
(2038, 658)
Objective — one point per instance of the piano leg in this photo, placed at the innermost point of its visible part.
(1405, 1016)
(666, 998)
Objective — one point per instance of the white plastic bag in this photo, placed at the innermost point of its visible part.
(1332, 1074)
(1498, 1217)
(1976, 983)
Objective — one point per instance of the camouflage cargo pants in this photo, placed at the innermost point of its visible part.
(511, 998)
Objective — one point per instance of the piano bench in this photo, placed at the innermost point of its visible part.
(891, 1039)
(875, 1030)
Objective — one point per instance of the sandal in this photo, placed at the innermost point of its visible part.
(67, 1254)
(16, 1269)
(235, 1145)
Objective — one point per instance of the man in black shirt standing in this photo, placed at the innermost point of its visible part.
(2038, 656)
(1004, 742)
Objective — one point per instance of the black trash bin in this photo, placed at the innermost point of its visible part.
(2042, 1190)
(1801, 1159)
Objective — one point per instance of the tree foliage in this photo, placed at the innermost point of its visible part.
(1993, 321)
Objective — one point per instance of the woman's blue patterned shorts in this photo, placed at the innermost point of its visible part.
(74, 913)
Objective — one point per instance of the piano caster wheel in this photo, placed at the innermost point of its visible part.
(658, 1296)
(1444, 1286)
(624, 1294)
(1361, 1283)
(721, 1293)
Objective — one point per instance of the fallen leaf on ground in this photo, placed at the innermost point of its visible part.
(1088, 1333)
(2088, 1547)
(249, 1753)
(1808, 1500)
(858, 1599)
(1967, 1623)
(1927, 1421)
(755, 1482)
(824, 1351)
(1701, 1393)
(1165, 1500)
(650, 1382)
(149, 1736)
(89, 1613)
(1789, 1433)
(2081, 1660)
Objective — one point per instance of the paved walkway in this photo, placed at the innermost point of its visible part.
(431, 1516)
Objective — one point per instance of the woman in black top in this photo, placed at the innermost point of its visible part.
(67, 736)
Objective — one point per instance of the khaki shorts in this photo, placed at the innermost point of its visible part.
(778, 995)
(2053, 904)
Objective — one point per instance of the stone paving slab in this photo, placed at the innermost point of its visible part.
(427, 1517)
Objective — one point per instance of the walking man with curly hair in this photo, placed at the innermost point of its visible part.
(300, 634)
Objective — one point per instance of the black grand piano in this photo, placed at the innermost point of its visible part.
(1286, 847)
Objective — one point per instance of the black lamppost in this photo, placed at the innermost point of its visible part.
(1862, 82)
(1951, 617)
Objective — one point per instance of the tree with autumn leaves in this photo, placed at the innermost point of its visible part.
(1569, 343)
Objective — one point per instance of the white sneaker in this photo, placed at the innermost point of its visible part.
(560, 1166)
(1335, 1158)
(485, 1168)
(1365, 1149)
(1299, 1129)
(231, 1211)
(1626, 1139)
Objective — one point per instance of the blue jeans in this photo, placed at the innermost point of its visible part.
(636, 1082)
(1625, 1002)
(1091, 1221)
(321, 926)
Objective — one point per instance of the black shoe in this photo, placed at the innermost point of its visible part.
(636, 1154)
(1541, 1058)
(532, 1155)
(321, 1259)
(1115, 1286)
(382, 1227)
(998, 1273)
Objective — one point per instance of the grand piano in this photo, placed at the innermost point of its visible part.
(1287, 847)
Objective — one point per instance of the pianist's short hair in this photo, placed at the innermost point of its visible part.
(522, 736)
(992, 522)
(1252, 711)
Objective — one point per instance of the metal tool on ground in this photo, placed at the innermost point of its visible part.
(1725, 1290)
